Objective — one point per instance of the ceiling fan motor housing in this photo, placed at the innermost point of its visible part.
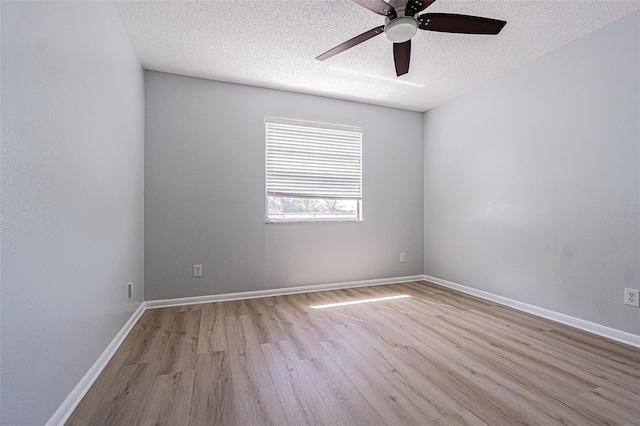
(402, 28)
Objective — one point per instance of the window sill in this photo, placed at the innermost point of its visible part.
(298, 221)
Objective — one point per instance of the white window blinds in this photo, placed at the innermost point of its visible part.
(310, 160)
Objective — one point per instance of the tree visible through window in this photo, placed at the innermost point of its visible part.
(314, 171)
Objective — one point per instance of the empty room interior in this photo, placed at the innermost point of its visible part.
(354, 212)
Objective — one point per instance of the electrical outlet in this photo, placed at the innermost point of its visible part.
(130, 289)
(403, 258)
(631, 297)
(197, 270)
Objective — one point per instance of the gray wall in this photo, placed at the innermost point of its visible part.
(205, 193)
(532, 182)
(72, 196)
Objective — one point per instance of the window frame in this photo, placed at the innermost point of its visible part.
(313, 219)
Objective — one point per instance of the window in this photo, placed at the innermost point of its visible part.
(314, 172)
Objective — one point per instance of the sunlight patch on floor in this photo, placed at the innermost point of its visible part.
(357, 302)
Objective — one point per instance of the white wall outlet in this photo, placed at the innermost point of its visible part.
(403, 257)
(130, 289)
(631, 297)
(197, 270)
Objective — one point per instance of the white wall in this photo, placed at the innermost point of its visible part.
(205, 193)
(532, 181)
(72, 197)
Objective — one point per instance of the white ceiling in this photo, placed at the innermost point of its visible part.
(273, 43)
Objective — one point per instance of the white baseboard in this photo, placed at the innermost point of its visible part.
(73, 399)
(277, 292)
(591, 327)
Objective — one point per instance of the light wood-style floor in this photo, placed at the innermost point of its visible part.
(437, 358)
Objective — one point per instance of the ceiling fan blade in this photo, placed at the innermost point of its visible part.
(451, 23)
(401, 56)
(417, 6)
(378, 6)
(350, 43)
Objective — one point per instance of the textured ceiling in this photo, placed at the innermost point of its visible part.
(273, 43)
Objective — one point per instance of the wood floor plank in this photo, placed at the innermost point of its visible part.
(433, 403)
(342, 397)
(151, 345)
(247, 362)
(463, 418)
(169, 400)
(258, 406)
(316, 322)
(212, 334)
(180, 353)
(256, 400)
(437, 357)
(304, 341)
(462, 386)
(235, 308)
(398, 403)
(484, 343)
(122, 402)
(264, 322)
(300, 401)
(618, 405)
(212, 399)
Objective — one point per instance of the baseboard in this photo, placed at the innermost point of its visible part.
(277, 292)
(73, 399)
(591, 327)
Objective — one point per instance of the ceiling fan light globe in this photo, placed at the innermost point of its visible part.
(401, 29)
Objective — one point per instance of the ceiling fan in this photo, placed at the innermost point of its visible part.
(401, 24)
